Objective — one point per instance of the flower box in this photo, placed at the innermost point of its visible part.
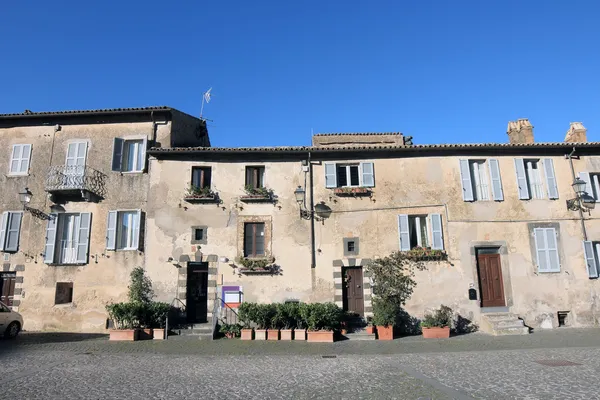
(256, 271)
(247, 334)
(385, 332)
(256, 198)
(260, 334)
(426, 254)
(158, 334)
(272, 334)
(436, 332)
(201, 198)
(300, 334)
(124, 334)
(286, 334)
(352, 192)
(320, 336)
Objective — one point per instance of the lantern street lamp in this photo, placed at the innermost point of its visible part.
(25, 197)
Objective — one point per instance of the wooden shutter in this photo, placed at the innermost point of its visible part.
(497, 193)
(3, 228)
(403, 232)
(25, 157)
(590, 259)
(521, 179)
(367, 174)
(552, 244)
(436, 232)
(50, 239)
(15, 158)
(585, 176)
(13, 227)
(550, 179)
(111, 231)
(136, 229)
(465, 178)
(117, 161)
(330, 175)
(546, 250)
(143, 154)
(83, 237)
(540, 249)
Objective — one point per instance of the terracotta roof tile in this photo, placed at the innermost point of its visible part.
(28, 113)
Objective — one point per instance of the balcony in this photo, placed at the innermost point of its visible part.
(76, 181)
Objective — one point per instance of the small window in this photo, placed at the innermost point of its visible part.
(254, 239)
(64, 293)
(534, 179)
(10, 229)
(420, 231)
(255, 177)
(348, 175)
(350, 246)
(123, 231)
(68, 239)
(129, 155)
(201, 177)
(20, 159)
(479, 179)
(232, 295)
(199, 234)
(417, 225)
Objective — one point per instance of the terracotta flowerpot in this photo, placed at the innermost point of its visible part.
(344, 331)
(300, 334)
(370, 329)
(273, 334)
(247, 334)
(124, 334)
(320, 336)
(436, 333)
(385, 332)
(229, 335)
(146, 334)
(260, 334)
(158, 333)
(286, 334)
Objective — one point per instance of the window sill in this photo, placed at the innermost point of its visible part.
(202, 199)
(13, 175)
(256, 198)
(132, 172)
(352, 191)
(64, 305)
(66, 265)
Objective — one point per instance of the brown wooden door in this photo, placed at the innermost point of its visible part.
(353, 291)
(490, 280)
(197, 293)
(7, 288)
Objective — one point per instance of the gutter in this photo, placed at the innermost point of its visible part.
(583, 230)
(313, 255)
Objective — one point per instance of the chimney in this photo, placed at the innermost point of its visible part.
(576, 133)
(520, 131)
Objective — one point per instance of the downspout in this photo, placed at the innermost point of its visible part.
(313, 256)
(153, 129)
(569, 156)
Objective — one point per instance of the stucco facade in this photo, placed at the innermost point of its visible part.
(102, 275)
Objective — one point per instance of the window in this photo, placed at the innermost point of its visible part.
(349, 175)
(546, 249)
(420, 231)
(129, 155)
(255, 177)
(254, 239)
(591, 251)
(20, 159)
(64, 293)
(123, 230)
(530, 178)
(232, 295)
(592, 187)
(476, 180)
(351, 246)
(9, 231)
(67, 239)
(199, 234)
(201, 177)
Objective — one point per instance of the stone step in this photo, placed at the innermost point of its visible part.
(501, 316)
(499, 324)
(190, 337)
(515, 323)
(511, 331)
(360, 336)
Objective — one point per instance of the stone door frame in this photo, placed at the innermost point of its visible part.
(338, 282)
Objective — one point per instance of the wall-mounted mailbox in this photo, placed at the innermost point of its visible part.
(472, 294)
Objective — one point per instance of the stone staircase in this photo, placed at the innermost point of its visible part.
(192, 331)
(503, 323)
(357, 330)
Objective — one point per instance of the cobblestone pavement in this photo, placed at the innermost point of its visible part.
(48, 366)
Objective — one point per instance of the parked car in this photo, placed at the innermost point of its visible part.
(11, 322)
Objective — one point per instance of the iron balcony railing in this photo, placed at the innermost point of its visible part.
(63, 178)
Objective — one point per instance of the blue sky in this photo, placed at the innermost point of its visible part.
(441, 71)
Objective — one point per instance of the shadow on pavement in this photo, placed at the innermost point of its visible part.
(26, 338)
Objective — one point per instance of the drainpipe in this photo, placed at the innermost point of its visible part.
(313, 256)
(153, 129)
(569, 156)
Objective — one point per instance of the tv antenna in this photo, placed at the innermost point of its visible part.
(205, 99)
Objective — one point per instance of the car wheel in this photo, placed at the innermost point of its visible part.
(12, 331)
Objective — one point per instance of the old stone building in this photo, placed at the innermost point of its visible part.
(503, 215)
(75, 191)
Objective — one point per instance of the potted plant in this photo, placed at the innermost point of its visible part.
(199, 193)
(436, 325)
(322, 320)
(370, 327)
(300, 322)
(230, 330)
(264, 315)
(287, 315)
(247, 315)
(125, 320)
(159, 313)
(384, 317)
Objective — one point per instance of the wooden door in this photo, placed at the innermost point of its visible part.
(7, 288)
(353, 290)
(197, 293)
(490, 280)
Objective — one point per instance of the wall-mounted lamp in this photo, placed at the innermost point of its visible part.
(321, 210)
(25, 197)
(582, 201)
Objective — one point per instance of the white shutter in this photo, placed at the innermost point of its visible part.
(3, 228)
(404, 232)
(552, 244)
(540, 249)
(465, 178)
(50, 239)
(497, 194)
(330, 175)
(367, 174)
(137, 220)
(142, 151)
(521, 179)
(117, 160)
(436, 232)
(111, 230)
(590, 259)
(13, 228)
(83, 237)
(585, 176)
(15, 158)
(25, 157)
(550, 179)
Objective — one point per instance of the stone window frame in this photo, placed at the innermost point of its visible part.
(267, 220)
(531, 226)
(356, 247)
(204, 239)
